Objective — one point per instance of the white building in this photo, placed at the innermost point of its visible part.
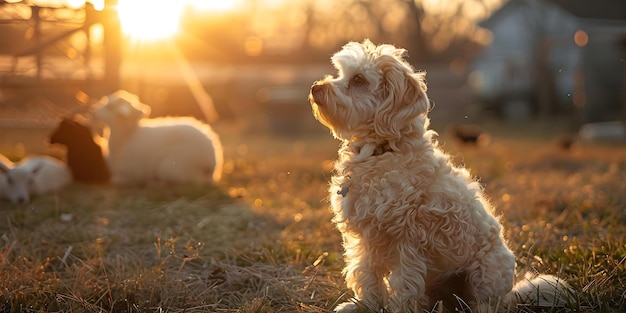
(548, 57)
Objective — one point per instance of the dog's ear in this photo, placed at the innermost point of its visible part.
(401, 85)
(403, 96)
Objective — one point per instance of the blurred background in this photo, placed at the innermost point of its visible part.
(250, 63)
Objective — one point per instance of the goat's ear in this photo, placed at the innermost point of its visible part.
(145, 109)
(124, 108)
(3, 168)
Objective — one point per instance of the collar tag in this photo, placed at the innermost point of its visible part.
(344, 191)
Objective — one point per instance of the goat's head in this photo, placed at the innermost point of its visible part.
(70, 132)
(120, 107)
(17, 183)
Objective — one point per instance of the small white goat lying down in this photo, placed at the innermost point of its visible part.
(36, 175)
(171, 150)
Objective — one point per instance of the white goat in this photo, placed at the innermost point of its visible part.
(5, 166)
(34, 175)
(167, 150)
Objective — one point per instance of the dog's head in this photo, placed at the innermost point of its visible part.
(376, 93)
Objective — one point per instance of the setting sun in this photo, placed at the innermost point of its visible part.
(215, 5)
(149, 19)
(158, 19)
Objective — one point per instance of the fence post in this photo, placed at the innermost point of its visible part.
(112, 41)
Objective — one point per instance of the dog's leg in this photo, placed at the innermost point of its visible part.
(492, 275)
(407, 282)
(364, 274)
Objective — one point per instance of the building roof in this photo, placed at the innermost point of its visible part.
(489, 21)
(596, 9)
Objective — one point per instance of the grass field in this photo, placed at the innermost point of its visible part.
(262, 241)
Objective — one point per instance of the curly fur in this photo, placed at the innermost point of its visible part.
(416, 229)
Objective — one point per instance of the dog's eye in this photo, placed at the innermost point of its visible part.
(358, 80)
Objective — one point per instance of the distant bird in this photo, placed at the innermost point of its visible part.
(84, 156)
(470, 134)
(566, 142)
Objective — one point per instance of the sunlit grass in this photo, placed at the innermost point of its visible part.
(262, 241)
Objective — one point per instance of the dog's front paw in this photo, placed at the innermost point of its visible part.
(347, 307)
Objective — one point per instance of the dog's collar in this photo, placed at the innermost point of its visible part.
(379, 149)
(376, 150)
(344, 190)
(382, 149)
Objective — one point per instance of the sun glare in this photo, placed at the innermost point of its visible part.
(158, 19)
(155, 19)
(149, 19)
(215, 5)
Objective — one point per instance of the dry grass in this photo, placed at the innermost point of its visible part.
(262, 241)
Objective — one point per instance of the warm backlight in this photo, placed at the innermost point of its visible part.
(581, 38)
(149, 19)
(158, 19)
(215, 5)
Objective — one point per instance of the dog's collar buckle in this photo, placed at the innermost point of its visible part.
(379, 149)
(344, 191)
(382, 149)
(345, 188)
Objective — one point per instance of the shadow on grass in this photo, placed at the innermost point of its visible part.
(112, 249)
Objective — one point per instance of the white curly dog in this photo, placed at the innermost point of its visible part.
(416, 229)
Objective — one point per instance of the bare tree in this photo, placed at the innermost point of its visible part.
(310, 29)
(398, 21)
(419, 45)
